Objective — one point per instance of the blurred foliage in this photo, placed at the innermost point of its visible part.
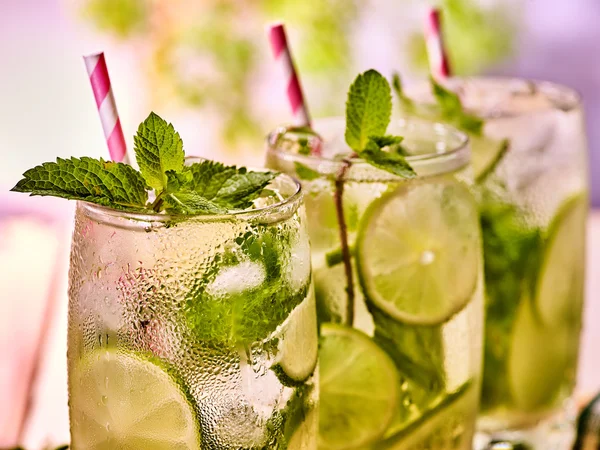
(476, 36)
(207, 53)
(122, 17)
(324, 28)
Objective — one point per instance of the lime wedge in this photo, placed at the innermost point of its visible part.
(299, 344)
(122, 401)
(539, 361)
(440, 427)
(558, 294)
(486, 154)
(418, 251)
(359, 389)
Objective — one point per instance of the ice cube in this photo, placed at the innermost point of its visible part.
(297, 269)
(235, 279)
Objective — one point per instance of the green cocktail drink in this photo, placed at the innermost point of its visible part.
(533, 193)
(399, 285)
(192, 319)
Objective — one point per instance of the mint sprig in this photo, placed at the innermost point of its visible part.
(447, 108)
(452, 110)
(368, 109)
(202, 188)
(368, 114)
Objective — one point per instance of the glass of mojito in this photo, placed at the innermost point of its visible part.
(530, 159)
(398, 280)
(192, 319)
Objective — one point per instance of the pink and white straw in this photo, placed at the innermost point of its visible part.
(283, 57)
(107, 108)
(436, 50)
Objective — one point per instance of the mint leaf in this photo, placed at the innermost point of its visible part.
(405, 102)
(368, 109)
(392, 143)
(393, 162)
(241, 189)
(177, 181)
(103, 182)
(158, 149)
(227, 186)
(305, 173)
(190, 202)
(453, 111)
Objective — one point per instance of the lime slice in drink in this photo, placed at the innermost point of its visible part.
(442, 426)
(359, 389)
(539, 360)
(486, 153)
(123, 401)
(418, 251)
(299, 344)
(562, 268)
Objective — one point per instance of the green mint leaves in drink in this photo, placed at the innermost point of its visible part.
(452, 110)
(368, 114)
(487, 152)
(206, 187)
(405, 102)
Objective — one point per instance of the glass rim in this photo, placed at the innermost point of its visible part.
(459, 151)
(571, 98)
(291, 201)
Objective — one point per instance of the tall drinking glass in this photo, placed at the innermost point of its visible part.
(533, 203)
(399, 287)
(193, 332)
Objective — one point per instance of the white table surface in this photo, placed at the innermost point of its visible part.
(49, 423)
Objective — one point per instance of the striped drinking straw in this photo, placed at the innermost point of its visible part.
(283, 57)
(436, 50)
(107, 108)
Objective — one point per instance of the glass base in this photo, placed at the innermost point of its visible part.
(556, 432)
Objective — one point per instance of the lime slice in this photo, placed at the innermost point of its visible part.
(486, 153)
(558, 294)
(539, 362)
(418, 251)
(359, 389)
(448, 424)
(299, 344)
(122, 401)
